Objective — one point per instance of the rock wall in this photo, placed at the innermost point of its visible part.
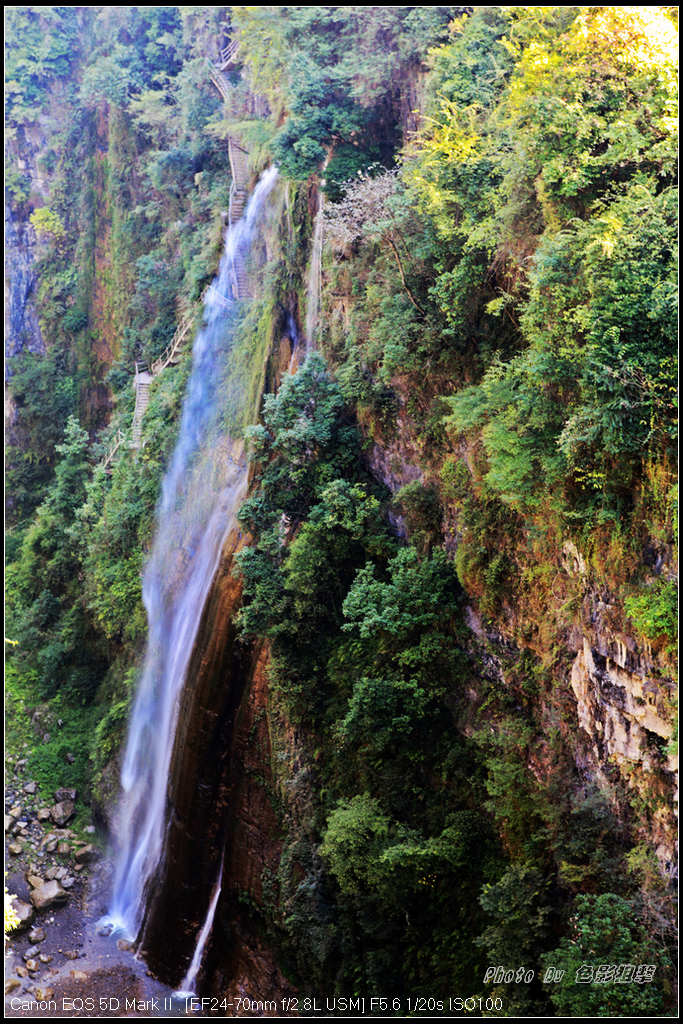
(199, 781)
(221, 806)
(22, 330)
(624, 712)
(622, 697)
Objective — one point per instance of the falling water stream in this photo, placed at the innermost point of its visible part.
(201, 493)
(187, 985)
(314, 278)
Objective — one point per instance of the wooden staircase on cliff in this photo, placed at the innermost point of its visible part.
(252, 106)
(228, 54)
(239, 166)
(142, 383)
(144, 375)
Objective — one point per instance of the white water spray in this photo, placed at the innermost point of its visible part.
(314, 278)
(201, 493)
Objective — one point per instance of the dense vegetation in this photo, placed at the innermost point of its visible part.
(499, 311)
(128, 239)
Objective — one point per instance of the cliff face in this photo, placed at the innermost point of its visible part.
(222, 807)
(621, 693)
(244, 781)
(22, 330)
(200, 779)
(407, 319)
(624, 712)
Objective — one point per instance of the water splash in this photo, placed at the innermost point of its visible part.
(204, 486)
(314, 278)
(189, 982)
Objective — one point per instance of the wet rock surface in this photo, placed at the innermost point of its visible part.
(65, 963)
(220, 808)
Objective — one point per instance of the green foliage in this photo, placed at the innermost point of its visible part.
(418, 886)
(655, 612)
(420, 506)
(591, 394)
(117, 259)
(47, 223)
(407, 616)
(307, 494)
(400, 656)
(518, 909)
(333, 69)
(356, 838)
(362, 654)
(519, 262)
(518, 903)
(42, 44)
(45, 733)
(47, 618)
(109, 735)
(605, 930)
(45, 395)
(301, 424)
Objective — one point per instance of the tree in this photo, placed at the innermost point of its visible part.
(605, 934)
(45, 584)
(368, 210)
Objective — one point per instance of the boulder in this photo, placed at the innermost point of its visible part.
(47, 895)
(15, 849)
(24, 912)
(62, 795)
(44, 994)
(44, 814)
(30, 787)
(86, 854)
(36, 934)
(11, 985)
(62, 811)
(35, 881)
(63, 847)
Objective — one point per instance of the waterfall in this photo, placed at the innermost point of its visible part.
(187, 985)
(203, 488)
(314, 278)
